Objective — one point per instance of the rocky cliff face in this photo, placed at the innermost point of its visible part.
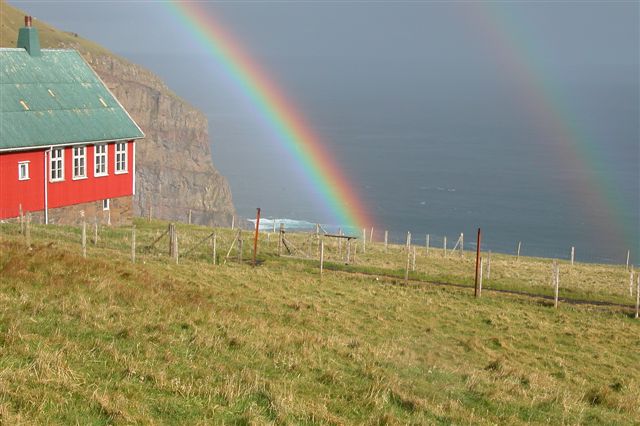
(175, 173)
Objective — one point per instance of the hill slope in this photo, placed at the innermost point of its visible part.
(174, 165)
(102, 341)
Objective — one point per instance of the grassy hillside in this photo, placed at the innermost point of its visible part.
(12, 18)
(101, 341)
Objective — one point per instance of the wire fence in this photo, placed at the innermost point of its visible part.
(160, 241)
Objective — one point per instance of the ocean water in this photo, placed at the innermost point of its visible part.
(443, 175)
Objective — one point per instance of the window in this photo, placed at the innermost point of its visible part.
(100, 157)
(23, 170)
(105, 204)
(121, 157)
(79, 162)
(56, 164)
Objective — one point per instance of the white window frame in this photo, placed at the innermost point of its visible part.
(121, 158)
(99, 158)
(23, 165)
(80, 158)
(106, 204)
(53, 162)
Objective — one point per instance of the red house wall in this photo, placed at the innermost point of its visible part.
(30, 193)
(13, 192)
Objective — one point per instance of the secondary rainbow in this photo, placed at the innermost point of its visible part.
(320, 169)
(601, 203)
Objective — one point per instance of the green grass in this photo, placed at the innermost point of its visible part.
(103, 341)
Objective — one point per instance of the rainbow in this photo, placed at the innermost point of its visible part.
(602, 206)
(320, 169)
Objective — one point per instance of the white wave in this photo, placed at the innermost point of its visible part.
(267, 224)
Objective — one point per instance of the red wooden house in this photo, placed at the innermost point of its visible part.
(66, 143)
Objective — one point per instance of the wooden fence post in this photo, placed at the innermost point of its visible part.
(386, 240)
(364, 240)
(348, 250)
(189, 216)
(371, 236)
(427, 244)
(413, 259)
(321, 256)
(84, 235)
(240, 243)
(255, 238)
(628, 253)
(340, 244)
(27, 230)
(172, 231)
(461, 244)
(518, 251)
(556, 275)
(480, 277)
(95, 231)
(150, 208)
(233, 222)
(406, 270)
(22, 221)
(573, 253)
(133, 244)
(631, 282)
(175, 246)
(213, 249)
(489, 266)
(280, 239)
(444, 246)
(478, 241)
(408, 245)
(274, 226)
(638, 297)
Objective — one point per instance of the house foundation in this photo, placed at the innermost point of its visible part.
(114, 211)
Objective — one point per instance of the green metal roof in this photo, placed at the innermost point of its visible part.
(56, 99)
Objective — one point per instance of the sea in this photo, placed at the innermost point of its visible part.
(441, 176)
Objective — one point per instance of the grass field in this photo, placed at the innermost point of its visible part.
(102, 341)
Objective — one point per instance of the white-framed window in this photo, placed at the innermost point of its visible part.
(100, 167)
(79, 162)
(121, 157)
(105, 204)
(23, 170)
(56, 165)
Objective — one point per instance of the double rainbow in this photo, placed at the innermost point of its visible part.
(297, 137)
